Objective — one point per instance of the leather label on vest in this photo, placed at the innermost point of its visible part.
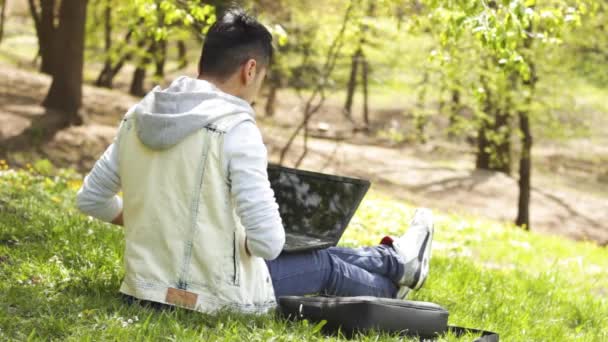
(181, 298)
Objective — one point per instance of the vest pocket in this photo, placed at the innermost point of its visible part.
(235, 259)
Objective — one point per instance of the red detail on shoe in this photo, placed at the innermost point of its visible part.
(387, 240)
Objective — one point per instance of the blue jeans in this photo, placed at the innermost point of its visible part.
(366, 271)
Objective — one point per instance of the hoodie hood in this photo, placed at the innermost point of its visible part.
(164, 117)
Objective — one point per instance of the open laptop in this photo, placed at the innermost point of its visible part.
(315, 207)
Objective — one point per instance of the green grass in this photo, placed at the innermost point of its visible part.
(60, 272)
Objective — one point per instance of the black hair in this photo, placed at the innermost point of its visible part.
(232, 40)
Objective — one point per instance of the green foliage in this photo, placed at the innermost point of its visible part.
(60, 272)
(145, 22)
(43, 167)
(494, 54)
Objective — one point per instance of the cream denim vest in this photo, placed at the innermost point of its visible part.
(184, 241)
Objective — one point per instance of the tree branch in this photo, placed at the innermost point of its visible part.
(35, 14)
(318, 93)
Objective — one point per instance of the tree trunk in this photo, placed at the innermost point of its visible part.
(160, 47)
(181, 55)
(161, 58)
(482, 161)
(495, 153)
(502, 147)
(525, 162)
(455, 107)
(106, 76)
(139, 76)
(420, 117)
(137, 83)
(483, 158)
(44, 22)
(364, 74)
(441, 98)
(525, 170)
(103, 80)
(2, 17)
(269, 109)
(48, 37)
(65, 93)
(352, 83)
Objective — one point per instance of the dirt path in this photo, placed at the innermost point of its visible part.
(405, 175)
(410, 173)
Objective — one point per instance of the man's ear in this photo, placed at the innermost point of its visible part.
(249, 71)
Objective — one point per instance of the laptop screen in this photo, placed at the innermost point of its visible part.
(313, 203)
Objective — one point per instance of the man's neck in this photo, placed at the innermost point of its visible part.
(227, 86)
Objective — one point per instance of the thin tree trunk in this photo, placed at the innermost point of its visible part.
(2, 17)
(139, 76)
(365, 63)
(365, 73)
(420, 118)
(494, 154)
(161, 58)
(160, 48)
(48, 36)
(352, 83)
(103, 80)
(525, 162)
(106, 76)
(440, 98)
(44, 20)
(525, 170)
(317, 98)
(269, 109)
(137, 83)
(181, 55)
(455, 107)
(482, 160)
(65, 93)
(502, 148)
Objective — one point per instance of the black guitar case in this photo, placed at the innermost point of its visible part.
(359, 314)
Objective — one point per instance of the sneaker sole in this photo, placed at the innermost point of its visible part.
(424, 257)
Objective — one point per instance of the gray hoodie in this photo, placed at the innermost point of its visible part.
(163, 119)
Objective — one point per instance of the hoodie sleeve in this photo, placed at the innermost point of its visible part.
(98, 195)
(247, 160)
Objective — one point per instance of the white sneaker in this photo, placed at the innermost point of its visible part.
(415, 248)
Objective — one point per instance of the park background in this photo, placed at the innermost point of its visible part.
(492, 113)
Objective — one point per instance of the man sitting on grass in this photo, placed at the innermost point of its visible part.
(202, 226)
